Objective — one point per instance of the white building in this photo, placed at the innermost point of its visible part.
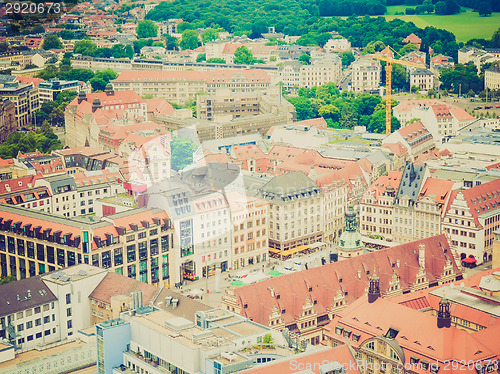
(492, 78)
(320, 73)
(422, 78)
(365, 75)
(337, 45)
(72, 288)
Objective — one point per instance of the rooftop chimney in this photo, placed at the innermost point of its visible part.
(421, 256)
(81, 97)
(96, 104)
(374, 288)
(109, 90)
(444, 315)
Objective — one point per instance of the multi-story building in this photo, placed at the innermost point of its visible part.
(250, 230)
(414, 138)
(135, 243)
(337, 45)
(8, 120)
(365, 75)
(471, 219)
(492, 78)
(322, 292)
(180, 86)
(321, 72)
(24, 96)
(420, 204)
(389, 337)
(28, 313)
(49, 90)
(114, 294)
(377, 206)
(224, 105)
(441, 119)
(422, 78)
(478, 56)
(296, 211)
(41, 310)
(217, 341)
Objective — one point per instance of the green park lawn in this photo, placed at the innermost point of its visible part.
(465, 26)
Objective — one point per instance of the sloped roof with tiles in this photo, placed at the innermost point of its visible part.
(24, 294)
(349, 277)
(115, 284)
(418, 334)
(438, 189)
(482, 199)
(392, 179)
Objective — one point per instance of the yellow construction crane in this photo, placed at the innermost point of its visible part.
(387, 55)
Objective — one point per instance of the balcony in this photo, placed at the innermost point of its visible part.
(150, 365)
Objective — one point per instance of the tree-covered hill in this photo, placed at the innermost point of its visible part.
(289, 16)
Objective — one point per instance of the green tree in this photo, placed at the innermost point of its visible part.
(303, 107)
(85, 47)
(201, 57)
(38, 29)
(398, 76)
(102, 78)
(189, 39)
(305, 59)
(7, 279)
(242, 55)
(208, 35)
(146, 29)
(171, 43)
(484, 9)
(347, 58)
(329, 111)
(377, 123)
(181, 153)
(52, 42)
(216, 60)
(348, 116)
(268, 339)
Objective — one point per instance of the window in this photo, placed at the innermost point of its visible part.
(68, 298)
(20, 327)
(38, 335)
(69, 324)
(46, 319)
(29, 325)
(68, 312)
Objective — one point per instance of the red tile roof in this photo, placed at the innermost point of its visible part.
(19, 184)
(28, 80)
(393, 178)
(481, 199)
(418, 332)
(115, 284)
(327, 280)
(438, 189)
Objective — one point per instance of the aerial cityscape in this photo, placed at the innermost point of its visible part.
(260, 187)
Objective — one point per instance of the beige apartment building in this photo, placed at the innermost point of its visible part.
(320, 73)
(180, 86)
(250, 230)
(492, 78)
(25, 98)
(365, 75)
(296, 211)
(422, 78)
(135, 243)
(8, 122)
